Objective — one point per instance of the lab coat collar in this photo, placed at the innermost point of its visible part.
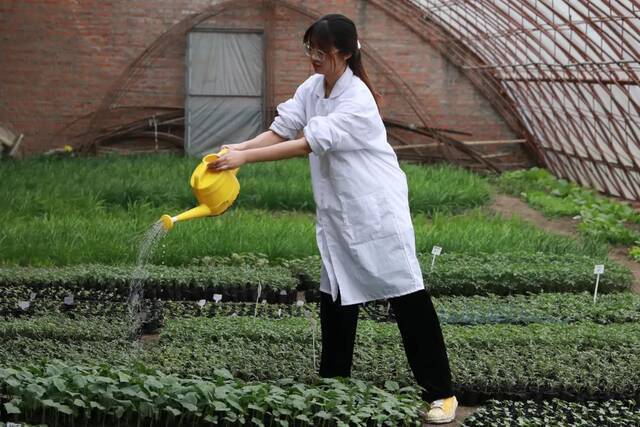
(344, 81)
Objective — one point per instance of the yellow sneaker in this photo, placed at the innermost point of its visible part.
(441, 411)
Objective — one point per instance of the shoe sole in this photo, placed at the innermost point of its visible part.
(445, 420)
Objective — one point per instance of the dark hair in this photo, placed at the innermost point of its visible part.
(335, 30)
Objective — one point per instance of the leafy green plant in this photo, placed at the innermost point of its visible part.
(193, 283)
(556, 412)
(536, 360)
(62, 329)
(634, 251)
(601, 217)
(102, 221)
(237, 277)
(619, 307)
(38, 186)
(61, 393)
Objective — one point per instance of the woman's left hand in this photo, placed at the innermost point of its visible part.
(230, 160)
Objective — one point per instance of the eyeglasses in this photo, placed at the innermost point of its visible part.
(311, 52)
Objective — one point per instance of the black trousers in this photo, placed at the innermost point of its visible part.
(421, 335)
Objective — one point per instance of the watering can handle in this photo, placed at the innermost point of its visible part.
(210, 158)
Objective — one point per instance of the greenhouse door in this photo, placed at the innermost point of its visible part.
(224, 102)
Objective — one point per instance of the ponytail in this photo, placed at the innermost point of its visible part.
(355, 63)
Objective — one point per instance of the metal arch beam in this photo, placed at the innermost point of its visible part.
(132, 72)
(527, 48)
(457, 53)
(590, 88)
(503, 50)
(563, 89)
(489, 86)
(594, 124)
(182, 27)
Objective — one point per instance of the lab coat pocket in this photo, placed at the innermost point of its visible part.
(369, 218)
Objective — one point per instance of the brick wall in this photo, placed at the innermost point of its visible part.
(60, 58)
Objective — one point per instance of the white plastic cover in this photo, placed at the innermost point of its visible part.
(224, 89)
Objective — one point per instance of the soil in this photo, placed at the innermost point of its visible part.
(150, 339)
(461, 414)
(508, 206)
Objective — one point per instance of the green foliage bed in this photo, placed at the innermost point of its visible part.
(600, 217)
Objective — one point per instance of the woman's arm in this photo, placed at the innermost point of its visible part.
(265, 139)
(283, 150)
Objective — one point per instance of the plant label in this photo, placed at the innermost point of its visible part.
(217, 297)
(202, 302)
(597, 270)
(68, 300)
(10, 424)
(283, 293)
(33, 296)
(279, 312)
(299, 303)
(264, 301)
(24, 305)
(437, 250)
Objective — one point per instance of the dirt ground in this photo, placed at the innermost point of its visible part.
(461, 414)
(508, 205)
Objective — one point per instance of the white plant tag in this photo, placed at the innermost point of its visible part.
(24, 305)
(437, 250)
(279, 312)
(597, 270)
(283, 293)
(68, 300)
(217, 297)
(33, 296)
(299, 303)
(264, 301)
(202, 302)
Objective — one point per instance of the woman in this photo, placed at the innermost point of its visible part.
(364, 229)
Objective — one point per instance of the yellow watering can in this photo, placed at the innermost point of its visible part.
(215, 190)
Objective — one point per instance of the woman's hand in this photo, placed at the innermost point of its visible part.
(236, 147)
(231, 160)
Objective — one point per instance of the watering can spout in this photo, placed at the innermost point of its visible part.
(197, 212)
(215, 190)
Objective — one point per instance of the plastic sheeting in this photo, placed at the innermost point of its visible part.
(572, 68)
(224, 89)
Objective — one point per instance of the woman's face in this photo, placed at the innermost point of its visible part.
(326, 63)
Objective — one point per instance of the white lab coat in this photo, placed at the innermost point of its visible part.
(363, 225)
